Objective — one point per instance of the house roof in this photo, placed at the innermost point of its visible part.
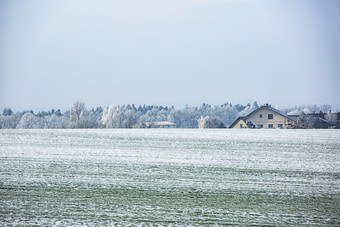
(294, 117)
(274, 110)
(237, 120)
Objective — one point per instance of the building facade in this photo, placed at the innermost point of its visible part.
(266, 117)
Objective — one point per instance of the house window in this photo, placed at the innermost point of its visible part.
(259, 126)
(241, 125)
(270, 126)
(280, 125)
(270, 116)
(260, 115)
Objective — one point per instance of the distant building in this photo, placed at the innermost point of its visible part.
(324, 120)
(265, 117)
(239, 123)
(159, 124)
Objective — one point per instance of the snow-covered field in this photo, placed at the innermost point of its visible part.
(170, 177)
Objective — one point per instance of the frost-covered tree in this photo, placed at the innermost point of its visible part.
(248, 109)
(147, 119)
(227, 113)
(29, 120)
(95, 117)
(326, 107)
(190, 116)
(65, 120)
(79, 116)
(296, 110)
(130, 119)
(115, 117)
(8, 121)
(304, 120)
(107, 118)
(7, 112)
(210, 122)
(55, 121)
(206, 110)
(175, 117)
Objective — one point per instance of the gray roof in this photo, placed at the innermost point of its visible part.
(280, 112)
(274, 110)
(234, 123)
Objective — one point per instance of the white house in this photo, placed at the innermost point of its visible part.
(268, 117)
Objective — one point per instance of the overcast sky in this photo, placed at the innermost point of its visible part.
(169, 52)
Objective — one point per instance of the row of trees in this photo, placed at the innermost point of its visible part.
(128, 116)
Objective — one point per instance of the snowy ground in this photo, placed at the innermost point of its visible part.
(170, 176)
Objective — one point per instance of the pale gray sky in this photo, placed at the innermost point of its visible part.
(170, 52)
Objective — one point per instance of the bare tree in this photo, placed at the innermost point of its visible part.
(79, 116)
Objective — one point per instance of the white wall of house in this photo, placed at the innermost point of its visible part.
(265, 118)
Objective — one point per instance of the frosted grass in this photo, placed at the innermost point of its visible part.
(170, 177)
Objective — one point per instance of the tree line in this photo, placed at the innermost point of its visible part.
(130, 116)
